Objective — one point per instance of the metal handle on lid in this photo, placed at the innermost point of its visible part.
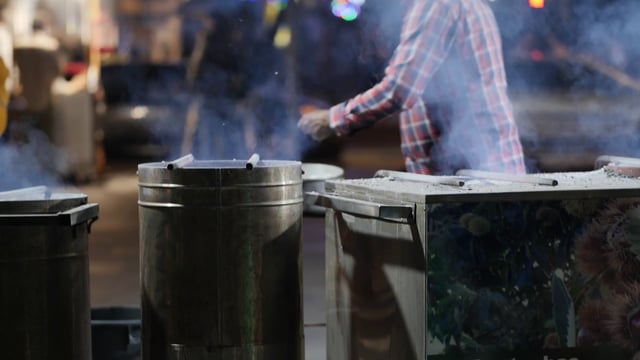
(362, 207)
(71, 217)
(180, 162)
(430, 179)
(489, 175)
(608, 159)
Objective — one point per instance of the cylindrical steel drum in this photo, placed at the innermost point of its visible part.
(221, 260)
(44, 276)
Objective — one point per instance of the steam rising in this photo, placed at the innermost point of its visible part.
(237, 83)
(609, 30)
(569, 106)
(31, 163)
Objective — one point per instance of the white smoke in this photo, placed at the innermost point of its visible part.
(30, 161)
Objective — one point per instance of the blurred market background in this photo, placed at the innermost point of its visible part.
(157, 79)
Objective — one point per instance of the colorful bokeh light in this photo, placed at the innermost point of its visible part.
(280, 4)
(282, 39)
(272, 9)
(347, 10)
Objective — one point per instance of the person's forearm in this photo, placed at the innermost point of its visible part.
(424, 43)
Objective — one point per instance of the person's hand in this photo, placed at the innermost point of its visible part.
(316, 124)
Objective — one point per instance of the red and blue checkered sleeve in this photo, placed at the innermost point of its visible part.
(426, 37)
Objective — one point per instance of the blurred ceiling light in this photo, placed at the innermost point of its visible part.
(282, 39)
(281, 4)
(270, 14)
(536, 55)
(139, 112)
(536, 4)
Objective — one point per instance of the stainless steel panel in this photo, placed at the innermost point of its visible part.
(376, 283)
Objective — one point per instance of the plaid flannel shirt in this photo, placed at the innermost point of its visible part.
(447, 80)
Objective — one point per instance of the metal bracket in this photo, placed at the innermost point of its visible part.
(391, 212)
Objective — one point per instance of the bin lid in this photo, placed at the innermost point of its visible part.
(568, 185)
(38, 200)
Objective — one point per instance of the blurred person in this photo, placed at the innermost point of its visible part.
(6, 65)
(213, 75)
(446, 79)
(4, 98)
(40, 37)
(238, 78)
(39, 61)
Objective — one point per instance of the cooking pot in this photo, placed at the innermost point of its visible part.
(313, 178)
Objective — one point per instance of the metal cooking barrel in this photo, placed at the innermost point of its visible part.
(44, 275)
(221, 260)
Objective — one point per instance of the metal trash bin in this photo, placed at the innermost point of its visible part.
(44, 274)
(221, 260)
(115, 333)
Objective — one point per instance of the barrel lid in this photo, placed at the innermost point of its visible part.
(38, 199)
(220, 173)
(220, 164)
